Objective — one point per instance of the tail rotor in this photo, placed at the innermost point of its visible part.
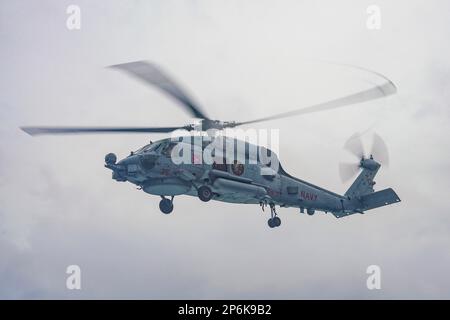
(355, 146)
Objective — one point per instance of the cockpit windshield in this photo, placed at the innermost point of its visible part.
(149, 147)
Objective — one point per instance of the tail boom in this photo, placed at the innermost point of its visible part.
(361, 196)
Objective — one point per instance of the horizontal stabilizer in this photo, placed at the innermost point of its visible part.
(379, 199)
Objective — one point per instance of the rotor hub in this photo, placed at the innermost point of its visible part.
(369, 164)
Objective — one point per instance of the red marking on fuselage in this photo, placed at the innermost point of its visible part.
(272, 192)
(165, 172)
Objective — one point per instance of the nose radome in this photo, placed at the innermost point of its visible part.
(110, 158)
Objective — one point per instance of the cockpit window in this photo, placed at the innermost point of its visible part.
(149, 147)
(167, 151)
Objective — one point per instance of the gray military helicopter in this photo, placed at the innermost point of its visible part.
(237, 175)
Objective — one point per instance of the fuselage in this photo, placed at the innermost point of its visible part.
(172, 167)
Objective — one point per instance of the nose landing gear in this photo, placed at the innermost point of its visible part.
(166, 205)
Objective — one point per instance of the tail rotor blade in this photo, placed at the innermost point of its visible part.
(355, 146)
(380, 150)
(347, 171)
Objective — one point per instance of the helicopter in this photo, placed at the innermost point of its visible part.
(237, 171)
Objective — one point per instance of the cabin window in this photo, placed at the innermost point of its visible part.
(167, 151)
(292, 190)
(220, 166)
(268, 177)
(148, 161)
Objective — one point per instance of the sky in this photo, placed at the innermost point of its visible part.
(240, 60)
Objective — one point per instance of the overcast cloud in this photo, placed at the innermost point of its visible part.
(240, 59)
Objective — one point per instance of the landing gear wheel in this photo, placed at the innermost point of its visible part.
(276, 221)
(204, 193)
(166, 206)
(271, 223)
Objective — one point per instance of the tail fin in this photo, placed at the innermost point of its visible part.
(363, 185)
(361, 196)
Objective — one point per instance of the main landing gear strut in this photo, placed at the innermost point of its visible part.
(274, 220)
(166, 205)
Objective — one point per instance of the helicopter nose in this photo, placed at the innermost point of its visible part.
(110, 158)
(132, 159)
(118, 168)
(130, 163)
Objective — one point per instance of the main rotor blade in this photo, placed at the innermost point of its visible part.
(347, 171)
(34, 131)
(151, 74)
(366, 95)
(355, 146)
(380, 150)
